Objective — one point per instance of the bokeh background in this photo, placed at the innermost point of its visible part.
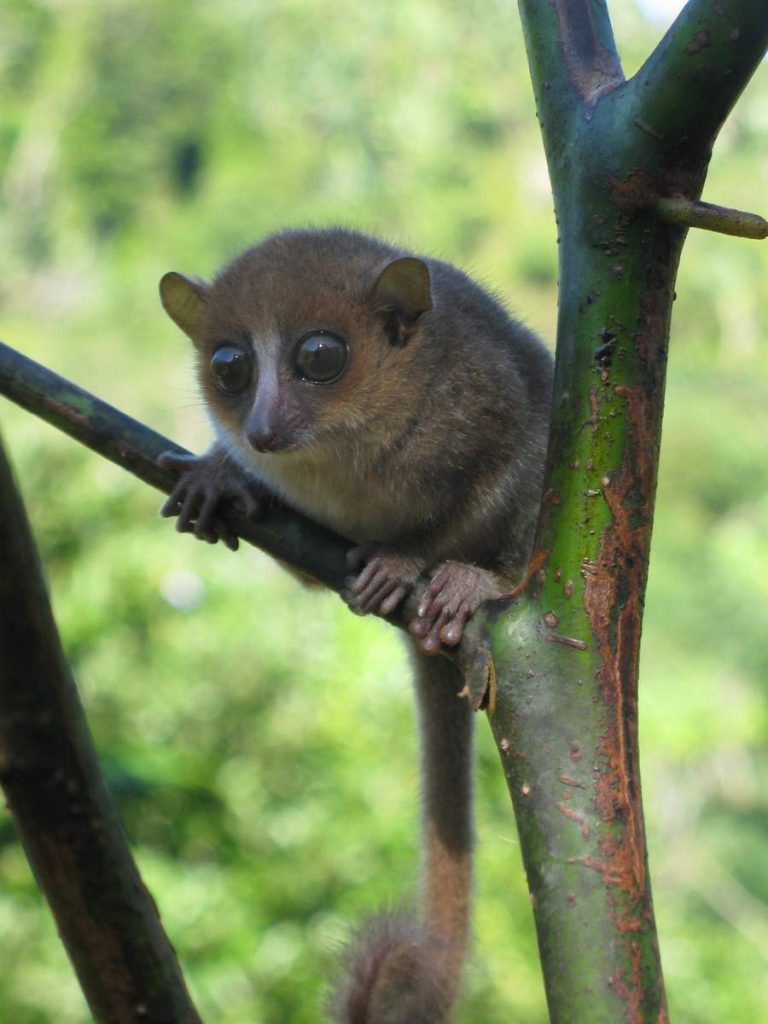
(259, 739)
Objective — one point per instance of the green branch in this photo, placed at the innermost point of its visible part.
(566, 655)
(689, 214)
(687, 87)
(573, 57)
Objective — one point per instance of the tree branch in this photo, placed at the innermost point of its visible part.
(686, 213)
(566, 655)
(59, 801)
(687, 87)
(572, 55)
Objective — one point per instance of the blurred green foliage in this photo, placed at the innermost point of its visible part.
(258, 738)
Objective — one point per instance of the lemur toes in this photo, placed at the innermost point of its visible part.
(455, 591)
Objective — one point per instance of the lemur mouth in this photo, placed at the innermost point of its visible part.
(274, 444)
(267, 442)
(271, 441)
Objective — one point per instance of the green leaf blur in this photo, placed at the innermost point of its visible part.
(258, 738)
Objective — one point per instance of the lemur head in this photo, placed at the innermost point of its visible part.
(307, 335)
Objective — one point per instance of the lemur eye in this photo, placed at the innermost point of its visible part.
(320, 357)
(231, 369)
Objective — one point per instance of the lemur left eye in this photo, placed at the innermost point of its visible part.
(321, 357)
(231, 369)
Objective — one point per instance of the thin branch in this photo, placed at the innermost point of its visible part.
(68, 825)
(687, 87)
(687, 213)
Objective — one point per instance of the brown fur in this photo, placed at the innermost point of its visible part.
(430, 444)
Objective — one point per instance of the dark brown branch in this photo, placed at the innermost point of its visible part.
(57, 796)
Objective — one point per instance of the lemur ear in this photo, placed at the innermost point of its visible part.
(403, 291)
(184, 300)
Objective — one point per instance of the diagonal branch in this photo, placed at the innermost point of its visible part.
(688, 85)
(303, 544)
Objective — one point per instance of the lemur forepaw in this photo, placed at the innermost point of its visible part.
(455, 591)
(387, 577)
(203, 484)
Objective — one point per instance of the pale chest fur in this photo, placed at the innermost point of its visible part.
(340, 492)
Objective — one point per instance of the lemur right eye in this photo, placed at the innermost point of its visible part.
(231, 369)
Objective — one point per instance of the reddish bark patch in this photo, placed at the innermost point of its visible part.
(65, 411)
(637, 191)
(537, 562)
(569, 780)
(648, 129)
(576, 817)
(593, 409)
(567, 641)
(614, 585)
(631, 992)
(699, 42)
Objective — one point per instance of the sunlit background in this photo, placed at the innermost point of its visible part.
(259, 739)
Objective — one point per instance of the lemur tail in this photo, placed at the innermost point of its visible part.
(405, 971)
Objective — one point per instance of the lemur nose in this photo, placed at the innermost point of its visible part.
(264, 439)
